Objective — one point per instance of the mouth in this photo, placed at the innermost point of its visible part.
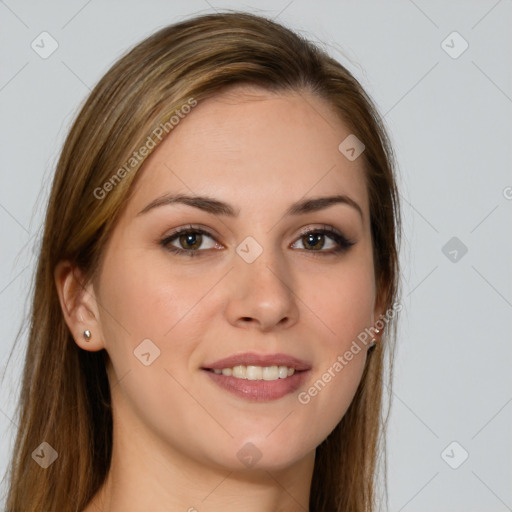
(259, 378)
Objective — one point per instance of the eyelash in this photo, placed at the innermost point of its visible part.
(343, 243)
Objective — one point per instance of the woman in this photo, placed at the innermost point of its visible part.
(217, 286)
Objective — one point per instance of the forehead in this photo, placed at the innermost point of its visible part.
(254, 148)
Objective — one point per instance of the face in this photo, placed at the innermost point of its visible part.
(247, 278)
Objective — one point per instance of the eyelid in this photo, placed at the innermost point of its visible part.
(195, 228)
(324, 227)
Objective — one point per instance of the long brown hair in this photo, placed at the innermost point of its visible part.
(65, 396)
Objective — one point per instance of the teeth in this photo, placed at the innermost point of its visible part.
(254, 373)
(257, 372)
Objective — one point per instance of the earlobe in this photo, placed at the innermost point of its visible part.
(78, 304)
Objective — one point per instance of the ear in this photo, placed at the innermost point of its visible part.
(79, 306)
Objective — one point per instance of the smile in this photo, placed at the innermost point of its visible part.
(257, 372)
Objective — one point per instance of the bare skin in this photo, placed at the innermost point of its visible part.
(176, 432)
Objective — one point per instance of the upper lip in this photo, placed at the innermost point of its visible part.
(253, 359)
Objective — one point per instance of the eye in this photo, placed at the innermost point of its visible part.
(315, 238)
(189, 238)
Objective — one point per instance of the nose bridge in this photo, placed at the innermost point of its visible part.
(266, 273)
(263, 289)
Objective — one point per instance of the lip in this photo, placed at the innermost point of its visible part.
(259, 390)
(253, 359)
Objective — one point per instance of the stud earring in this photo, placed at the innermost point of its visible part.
(374, 341)
(87, 335)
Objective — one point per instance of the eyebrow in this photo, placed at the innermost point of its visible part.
(217, 207)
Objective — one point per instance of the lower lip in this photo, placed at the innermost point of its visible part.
(259, 390)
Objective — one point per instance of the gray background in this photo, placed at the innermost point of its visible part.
(450, 121)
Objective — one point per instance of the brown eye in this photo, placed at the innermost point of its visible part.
(314, 240)
(190, 241)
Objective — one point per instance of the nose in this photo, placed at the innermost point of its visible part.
(261, 294)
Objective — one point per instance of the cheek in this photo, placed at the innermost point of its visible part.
(342, 308)
(146, 301)
(141, 304)
(342, 304)
(153, 302)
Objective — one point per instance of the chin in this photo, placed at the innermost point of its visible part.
(258, 454)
